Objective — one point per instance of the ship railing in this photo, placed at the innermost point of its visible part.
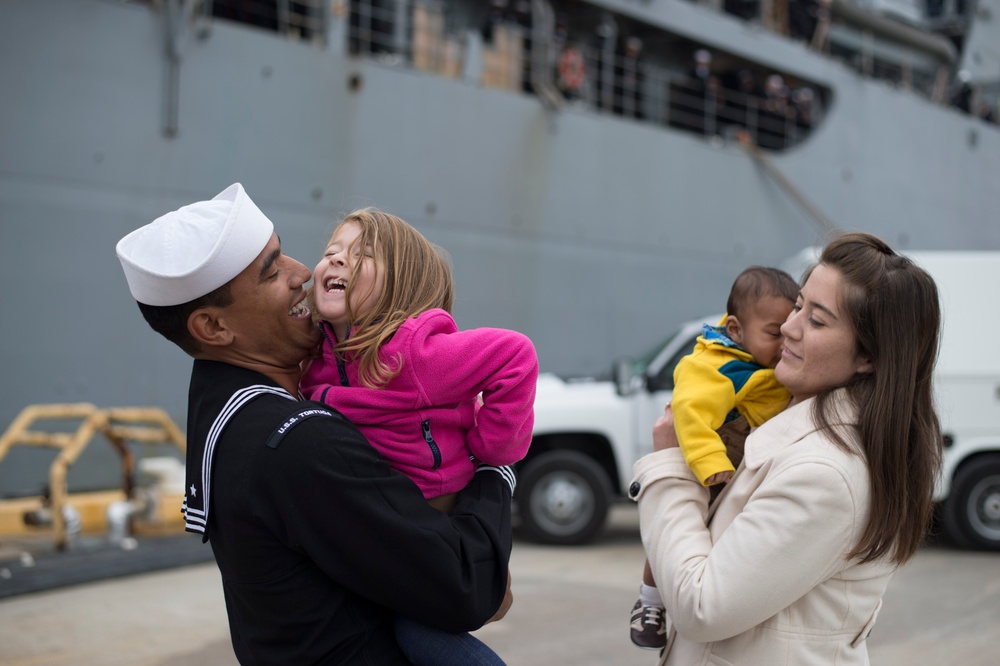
(524, 54)
(66, 430)
(884, 48)
(297, 19)
(435, 35)
(775, 121)
(525, 49)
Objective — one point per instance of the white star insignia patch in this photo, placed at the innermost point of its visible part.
(194, 491)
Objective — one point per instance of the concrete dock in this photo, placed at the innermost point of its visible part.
(571, 607)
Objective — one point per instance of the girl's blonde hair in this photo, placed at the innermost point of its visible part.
(417, 278)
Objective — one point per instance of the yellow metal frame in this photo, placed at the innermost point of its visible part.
(119, 425)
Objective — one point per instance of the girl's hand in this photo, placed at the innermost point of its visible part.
(721, 477)
(313, 355)
(664, 435)
(505, 605)
(306, 363)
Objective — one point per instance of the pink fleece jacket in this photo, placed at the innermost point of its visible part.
(425, 420)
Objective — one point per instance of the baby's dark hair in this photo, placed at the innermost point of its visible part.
(755, 283)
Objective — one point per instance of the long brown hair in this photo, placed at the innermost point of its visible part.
(893, 308)
(417, 279)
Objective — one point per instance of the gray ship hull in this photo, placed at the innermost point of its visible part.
(593, 234)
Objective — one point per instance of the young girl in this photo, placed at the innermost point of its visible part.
(394, 362)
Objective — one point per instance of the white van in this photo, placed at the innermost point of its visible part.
(588, 432)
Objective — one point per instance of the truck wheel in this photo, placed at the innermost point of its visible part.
(972, 510)
(562, 498)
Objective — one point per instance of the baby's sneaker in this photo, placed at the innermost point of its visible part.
(648, 628)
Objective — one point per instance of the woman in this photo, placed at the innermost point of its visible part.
(790, 564)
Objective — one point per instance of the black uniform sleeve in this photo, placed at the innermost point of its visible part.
(369, 528)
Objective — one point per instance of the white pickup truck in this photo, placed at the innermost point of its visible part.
(588, 432)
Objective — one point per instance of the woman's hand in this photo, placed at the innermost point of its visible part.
(664, 435)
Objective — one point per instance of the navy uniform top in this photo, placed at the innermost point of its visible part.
(318, 541)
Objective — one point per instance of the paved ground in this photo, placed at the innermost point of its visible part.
(570, 607)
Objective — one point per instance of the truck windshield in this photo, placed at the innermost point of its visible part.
(641, 364)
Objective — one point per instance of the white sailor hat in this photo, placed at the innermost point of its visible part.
(195, 249)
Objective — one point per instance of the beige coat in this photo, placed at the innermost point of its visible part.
(766, 582)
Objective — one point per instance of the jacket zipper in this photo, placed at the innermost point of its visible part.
(341, 367)
(425, 428)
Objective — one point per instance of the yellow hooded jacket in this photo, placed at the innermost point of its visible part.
(709, 384)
